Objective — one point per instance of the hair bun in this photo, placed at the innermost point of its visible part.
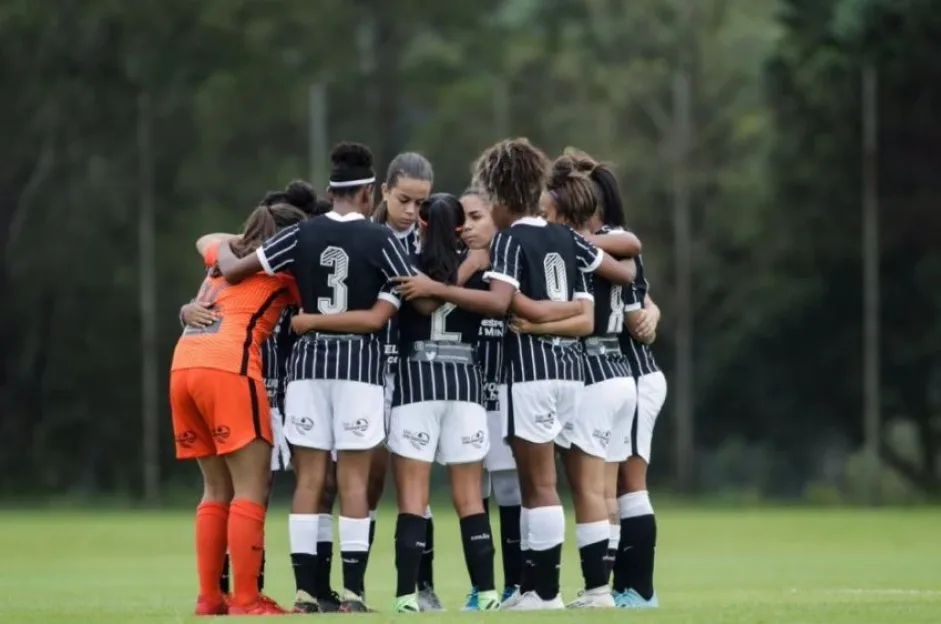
(348, 155)
(563, 169)
(301, 195)
(581, 160)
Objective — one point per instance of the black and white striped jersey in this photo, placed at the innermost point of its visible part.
(639, 356)
(274, 356)
(609, 324)
(543, 261)
(490, 360)
(341, 263)
(437, 353)
(409, 240)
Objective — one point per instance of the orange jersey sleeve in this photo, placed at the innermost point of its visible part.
(211, 255)
(248, 312)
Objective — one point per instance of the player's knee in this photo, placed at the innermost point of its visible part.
(466, 494)
(632, 476)
(217, 486)
(506, 488)
(327, 497)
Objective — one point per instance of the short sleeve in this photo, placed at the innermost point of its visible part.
(389, 293)
(584, 287)
(211, 254)
(505, 252)
(277, 254)
(588, 257)
(394, 260)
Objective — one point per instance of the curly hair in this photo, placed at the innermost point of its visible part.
(572, 190)
(512, 173)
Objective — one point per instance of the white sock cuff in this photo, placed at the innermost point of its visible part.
(546, 527)
(302, 533)
(372, 514)
(428, 512)
(325, 528)
(614, 538)
(592, 533)
(354, 534)
(524, 528)
(634, 505)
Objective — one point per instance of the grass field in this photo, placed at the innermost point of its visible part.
(729, 567)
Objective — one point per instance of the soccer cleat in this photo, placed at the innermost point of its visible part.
(352, 603)
(598, 598)
(211, 606)
(630, 599)
(508, 592)
(512, 599)
(406, 604)
(305, 603)
(428, 600)
(473, 601)
(330, 603)
(530, 601)
(261, 607)
(488, 601)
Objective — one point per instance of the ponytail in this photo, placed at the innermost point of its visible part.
(263, 223)
(442, 218)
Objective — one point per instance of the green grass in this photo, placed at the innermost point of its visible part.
(714, 566)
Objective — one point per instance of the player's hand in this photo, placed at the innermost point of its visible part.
(303, 323)
(198, 314)
(520, 325)
(480, 258)
(643, 326)
(416, 287)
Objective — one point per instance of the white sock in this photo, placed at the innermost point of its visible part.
(373, 513)
(592, 533)
(634, 505)
(354, 534)
(546, 527)
(428, 512)
(614, 539)
(325, 528)
(524, 528)
(302, 533)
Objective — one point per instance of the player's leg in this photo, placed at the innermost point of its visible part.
(357, 432)
(634, 565)
(533, 428)
(585, 437)
(193, 440)
(380, 460)
(413, 440)
(619, 449)
(427, 597)
(241, 426)
(309, 430)
(327, 599)
(471, 600)
(462, 445)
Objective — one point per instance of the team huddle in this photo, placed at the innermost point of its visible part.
(492, 332)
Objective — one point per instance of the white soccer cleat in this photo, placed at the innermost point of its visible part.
(530, 601)
(598, 598)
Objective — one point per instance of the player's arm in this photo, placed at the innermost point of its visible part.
(543, 311)
(582, 324)
(618, 243)
(276, 255)
(354, 321)
(642, 321)
(591, 259)
(204, 242)
(197, 314)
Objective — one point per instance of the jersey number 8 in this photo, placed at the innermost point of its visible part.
(557, 287)
(616, 320)
(334, 258)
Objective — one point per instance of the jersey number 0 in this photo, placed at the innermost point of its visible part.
(557, 287)
(335, 259)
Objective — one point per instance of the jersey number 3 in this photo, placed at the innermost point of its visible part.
(335, 259)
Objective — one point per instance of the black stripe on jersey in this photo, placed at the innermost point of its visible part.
(350, 358)
(250, 329)
(639, 356)
(600, 368)
(490, 359)
(416, 382)
(256, 406)
(277, 254)
(539, 358)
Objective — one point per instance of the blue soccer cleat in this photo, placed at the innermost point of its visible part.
(473, 601)
(630, 599)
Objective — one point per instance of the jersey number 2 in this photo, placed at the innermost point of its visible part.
(557, 286)
(439, 324)
(334, 258)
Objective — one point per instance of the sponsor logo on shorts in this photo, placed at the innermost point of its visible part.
(491, 396)
(546, 420)
(303, 425)
(358, 427)
(186, 439)
(418, 439)
(221, 433)
(477, 440)
(602, 436)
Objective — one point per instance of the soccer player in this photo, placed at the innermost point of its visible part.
(221, 418)
(500, 479)
(609, 389)
(334, 399)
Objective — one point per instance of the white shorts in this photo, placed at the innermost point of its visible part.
(608, 407)
(651, 393)
(451, 432)
(388, 390)
(329, 414)
(500, 456)
(537, 409)
(280, 450)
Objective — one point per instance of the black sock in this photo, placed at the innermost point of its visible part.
(510, 544)
(633, 568)
(594, 565)
(477, 539)
(547, 566)
(261, 573)
(487, 505)
(527, 580)
(609, 559)
(426, 577)
(224, 578)
(354, 570)
(305, 572)
(324, 563)
(372, 532)
(410, 535)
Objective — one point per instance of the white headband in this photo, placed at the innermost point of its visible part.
(348, 183)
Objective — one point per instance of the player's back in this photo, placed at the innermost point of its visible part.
(548, 264)
(247, 314)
